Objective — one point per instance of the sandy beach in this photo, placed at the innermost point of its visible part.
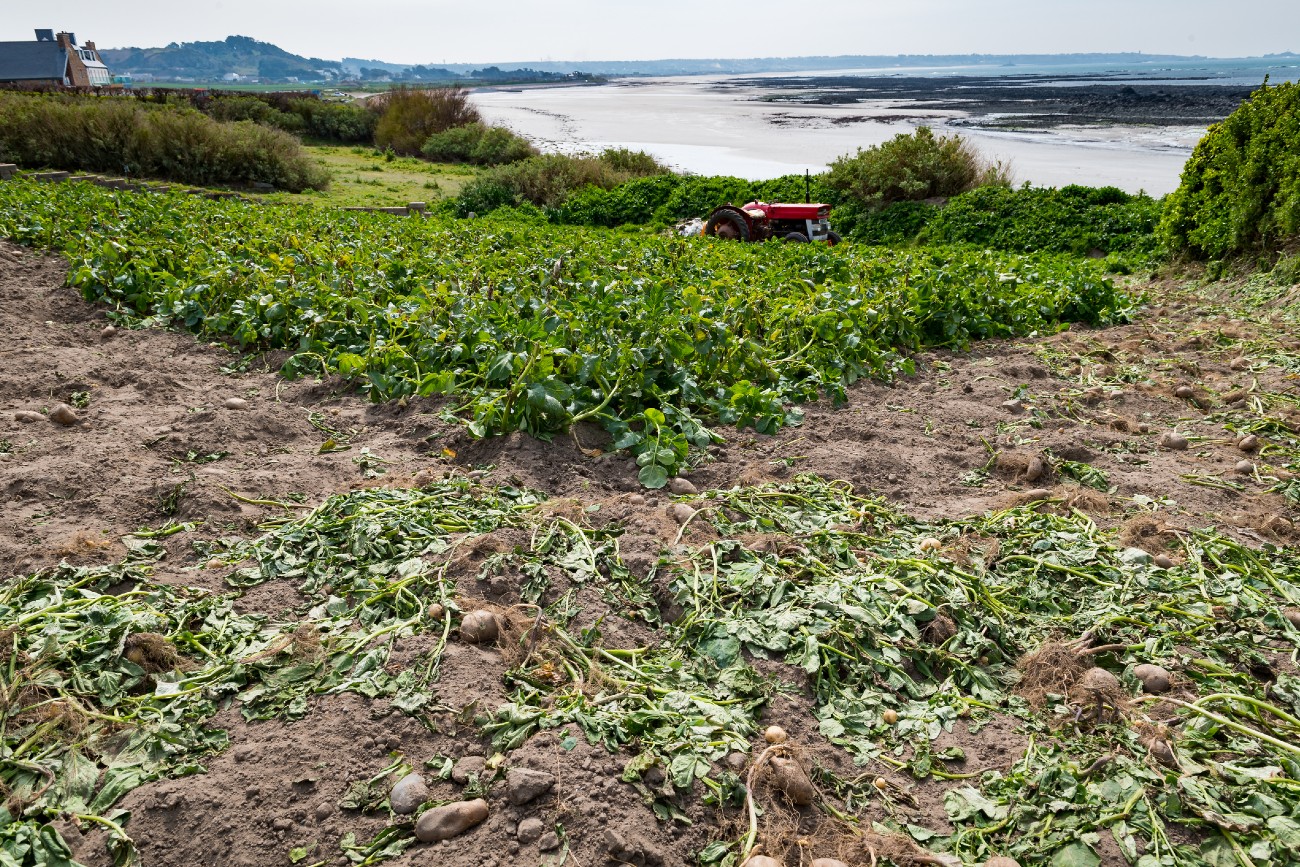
(711, 126)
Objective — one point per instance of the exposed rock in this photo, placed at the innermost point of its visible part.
(408, 794)
(524, 785)
(467, 767)
(530, 830)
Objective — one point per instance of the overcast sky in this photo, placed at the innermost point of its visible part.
(479, 31)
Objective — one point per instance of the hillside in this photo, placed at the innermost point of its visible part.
(206, 61)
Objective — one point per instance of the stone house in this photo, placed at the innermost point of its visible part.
(53, 60)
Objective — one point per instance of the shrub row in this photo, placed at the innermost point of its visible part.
(107, 134)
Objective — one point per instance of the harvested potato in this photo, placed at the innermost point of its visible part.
(789, 778)
(480, 627)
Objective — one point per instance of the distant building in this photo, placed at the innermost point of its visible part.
(55, 60)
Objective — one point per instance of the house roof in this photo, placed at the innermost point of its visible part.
(24, 61)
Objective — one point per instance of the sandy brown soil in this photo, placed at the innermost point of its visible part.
(945, 443)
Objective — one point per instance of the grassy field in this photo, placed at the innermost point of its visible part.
(364, 177)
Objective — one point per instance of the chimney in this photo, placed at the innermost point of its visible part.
(65, 40)
(89, 46)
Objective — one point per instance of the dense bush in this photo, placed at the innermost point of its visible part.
(408, 116)
(1071, 219)
(235, 108)
(106, 134)
(547, 180)
(348, 123)
(479, 144)
(913, 166)
(1240, 191)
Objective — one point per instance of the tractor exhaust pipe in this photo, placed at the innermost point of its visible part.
(807, 186)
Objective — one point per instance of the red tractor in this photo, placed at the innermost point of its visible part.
(761, 221)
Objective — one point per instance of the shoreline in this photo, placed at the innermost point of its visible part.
(724, 125)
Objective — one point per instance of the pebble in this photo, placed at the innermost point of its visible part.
(1173, 441)
(64, 415)
(235, 403)
(283, 823)
(408, 794)
(550, 842)
(324, 810)
(524, 785)
(1013, 405)
(680, 512)
(530, 830)
(467, 767)
(450, 820)
(1245, 468)
(681, 486)
(27, 416)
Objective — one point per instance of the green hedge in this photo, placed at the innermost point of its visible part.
(1240, 191)
(115, 135)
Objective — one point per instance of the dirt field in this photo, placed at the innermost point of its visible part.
(168, 428)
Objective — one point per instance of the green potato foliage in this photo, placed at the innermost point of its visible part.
(535, 328)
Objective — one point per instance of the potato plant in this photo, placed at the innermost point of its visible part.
(535, 328)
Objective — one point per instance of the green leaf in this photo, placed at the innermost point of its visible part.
(1077, 854)
(653, 476)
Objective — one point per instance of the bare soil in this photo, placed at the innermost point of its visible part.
(155, 440)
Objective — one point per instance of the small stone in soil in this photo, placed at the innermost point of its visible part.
(550, 842)
(469, 765)
(63, 414)
(530, 830)
(324, 810)
(524, 785)
(408, 794)
(235, 403)
(1013, 405)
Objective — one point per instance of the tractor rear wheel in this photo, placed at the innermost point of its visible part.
(728, 225)
(833, 238)
(796, 238)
